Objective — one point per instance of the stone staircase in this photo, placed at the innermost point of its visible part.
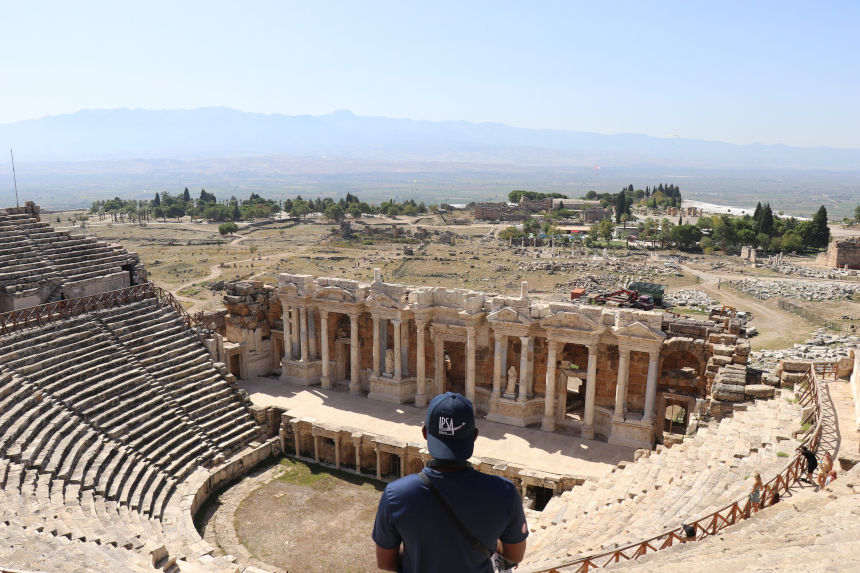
(810, 531)
(107, 424)
(668, 487)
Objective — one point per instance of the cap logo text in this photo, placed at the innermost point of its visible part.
(446, 426)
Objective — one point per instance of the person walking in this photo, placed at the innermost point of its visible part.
(755, 494)
(811, 463)
(449, 516)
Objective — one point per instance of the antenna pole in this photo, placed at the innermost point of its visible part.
(15, 179)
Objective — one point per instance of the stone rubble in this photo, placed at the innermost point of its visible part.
(823, 345)
(689, 297)
(797, 290)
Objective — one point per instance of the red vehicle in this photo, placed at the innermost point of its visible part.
(627, 299)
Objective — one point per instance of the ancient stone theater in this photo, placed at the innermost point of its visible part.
(121, 414)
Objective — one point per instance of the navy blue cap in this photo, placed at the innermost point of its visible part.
(450, 427)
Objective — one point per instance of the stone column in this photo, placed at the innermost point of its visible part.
(590, 390)
(378, 466)
(298, 441)
(621, 384)
(303, 333)
(439, 345)
(354, 371)
(357, 443)
(402, 465)
(337, 453)
(325, 379)
(497, 367)
(312, 333)
(470, 364)
(524, 368)
(651, 385)
(548, 423)
(288, 342)
(421, 390)
(376, 346)
(294, 310)
(316, 448)
(398, 358)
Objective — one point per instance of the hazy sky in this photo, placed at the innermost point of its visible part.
(742, 72)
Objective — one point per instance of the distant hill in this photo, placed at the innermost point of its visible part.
(223, 132)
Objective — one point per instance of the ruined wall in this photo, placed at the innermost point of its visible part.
(842, 252)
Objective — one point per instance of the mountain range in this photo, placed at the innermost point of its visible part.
(119, 134)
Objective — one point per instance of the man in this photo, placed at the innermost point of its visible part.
(414, 533)
(811, 463)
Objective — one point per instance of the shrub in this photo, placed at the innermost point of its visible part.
(367, 242)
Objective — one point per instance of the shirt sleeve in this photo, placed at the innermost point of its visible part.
(517, 529)
(384, 533)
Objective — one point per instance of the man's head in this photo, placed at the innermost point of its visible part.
(450, 427)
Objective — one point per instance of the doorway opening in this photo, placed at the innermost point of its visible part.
(539, 496)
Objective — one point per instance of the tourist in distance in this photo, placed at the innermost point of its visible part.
(831, 477)
(755, 494)
(450, 517)
(811, 463)
(826, 467)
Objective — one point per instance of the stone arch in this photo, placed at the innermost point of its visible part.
(683, 352)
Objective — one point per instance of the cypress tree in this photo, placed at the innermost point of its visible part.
(766, 220)
(157, 201)
(186, 196)
(820, 230)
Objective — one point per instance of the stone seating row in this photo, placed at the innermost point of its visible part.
(98, 381)
(36, 252)
(701, 475)
(95, 453)
(811, 531)
(181, 366)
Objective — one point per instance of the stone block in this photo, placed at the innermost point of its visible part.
(721, 360)
(243, 288)
(742, 348)
(759, 390)
(738, 359)
(792, 377)
(728, 392)
(848, 460)
(723, 350)
(796, 365)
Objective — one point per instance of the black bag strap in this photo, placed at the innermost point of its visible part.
(473, 541)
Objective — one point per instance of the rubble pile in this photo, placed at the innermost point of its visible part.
(591, 283)
(498, 268)
(787, 269)
(797, 290)
(823, 345)
(689, 297)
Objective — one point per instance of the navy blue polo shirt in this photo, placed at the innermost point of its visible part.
(489, 506)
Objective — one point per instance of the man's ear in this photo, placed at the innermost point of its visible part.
(476, 434)
(424, 431)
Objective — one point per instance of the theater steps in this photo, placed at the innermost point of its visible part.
(671, 486)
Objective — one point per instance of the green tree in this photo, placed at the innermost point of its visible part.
(792, 241)
(857, 214)
(706, 243)
(228, 228)
(159, 212)
(606, 229)
(235, 214)
(355, 212)
(766, 220)
(176, 211)
(334, 212)
(820, 230)
(186, 196)
(591, 195)
(157, 201)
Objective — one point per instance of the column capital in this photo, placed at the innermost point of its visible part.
(592, 348)
(471, 330)
(654, 354)
(324, 314)
(624, 351)
(525, 339)
(552, 345)
(396, 321)
(353, 318)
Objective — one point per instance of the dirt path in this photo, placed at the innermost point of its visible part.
(776, 329)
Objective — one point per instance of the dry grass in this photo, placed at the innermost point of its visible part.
(311, 519)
